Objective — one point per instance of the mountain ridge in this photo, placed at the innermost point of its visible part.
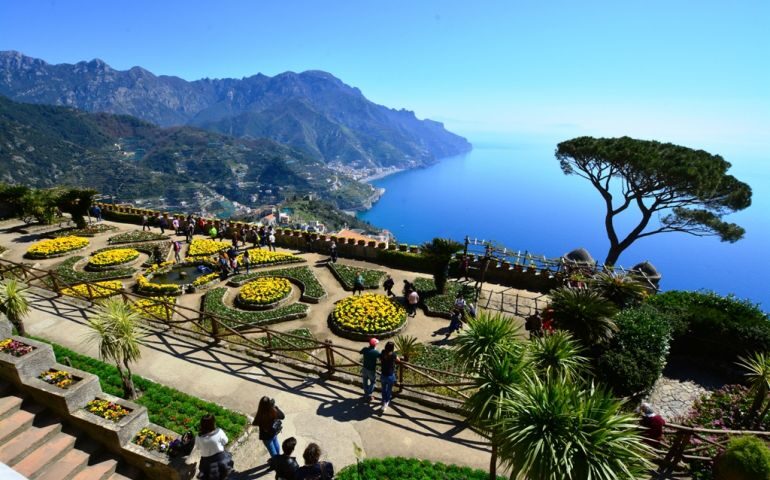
(356, 132)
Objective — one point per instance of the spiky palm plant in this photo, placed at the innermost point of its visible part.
(407, 346)
(494, 382)
(757, 372)
(14, 302)
(557, 356)
(116, 329)
(440, 251)
(558, 430)
(488, 335)
(622, 290)
(585, 313)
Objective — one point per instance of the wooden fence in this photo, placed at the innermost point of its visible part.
(322, 356)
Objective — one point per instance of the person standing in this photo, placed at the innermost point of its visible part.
(333, 248)
(369, 369)
(175, 225)
(177, 249)
(358, 284)
(388, 285)
(163, 223)
(412, 299)
(213, 232)
(464, 267)
(653, 424)
(314, 469)
(145, 222)
(157, 255)
(246, 260)
(285, 465)
(388, 360)
(271, 239)
(269, 420)
(216, 463)
(190, 231)
(97, 213)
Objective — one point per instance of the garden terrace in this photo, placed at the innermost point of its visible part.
(347, 275)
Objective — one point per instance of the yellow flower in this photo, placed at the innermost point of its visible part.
(262, 257)
(202, 247)
(265, 290)
(55, 246)
(369, 314)
(113, 257)
(160, 308)
(94, 290)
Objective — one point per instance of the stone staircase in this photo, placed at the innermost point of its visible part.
(35, 443)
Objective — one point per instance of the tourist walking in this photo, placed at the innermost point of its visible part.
(246, 260)
(369, 370)
(333, 252)
(177, 248)
(534, 325)
(358, 284)
(145, 222)
(314, 468)
(234, 266)
(175, 225)
(271, 239)
(157, 255)
(262, 237)
(285, 465)
(216, 463)
(163, 223)
(97, 213)
(411, 301)
(388, 285)
(269, 420)
(463, 269)
(388, 360)
(190, 231)
(455, 322)
(213, 232)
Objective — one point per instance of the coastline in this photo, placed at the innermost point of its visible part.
(380, 175)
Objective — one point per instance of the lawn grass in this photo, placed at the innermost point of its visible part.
(213, 302)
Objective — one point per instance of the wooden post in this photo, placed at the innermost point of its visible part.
(269, 346)
(674, 455)
(400, 377)
(55, 285)
(329, 356)
(214, 328)
(168, 311)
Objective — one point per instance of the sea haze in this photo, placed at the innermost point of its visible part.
(516, 195)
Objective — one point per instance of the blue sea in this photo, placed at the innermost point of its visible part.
(514, 193)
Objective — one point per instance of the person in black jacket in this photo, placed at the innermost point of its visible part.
(285, 465)
(314, 469)
(268, 419)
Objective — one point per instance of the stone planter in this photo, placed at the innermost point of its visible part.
(157, 464)
(14, 369)
(114, 435)
(63, 400)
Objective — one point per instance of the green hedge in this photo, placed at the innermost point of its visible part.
(635, 357)
(137, 236)
(399, 468)
(311, 287)
(347, 274)
(712, 326)
(442, 305)
(414, 262)
(166, 406)
(69, 275)
(213, 303)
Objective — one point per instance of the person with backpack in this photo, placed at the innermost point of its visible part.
(314, 469)
(216, 463)
(269, 420)
(285, 465)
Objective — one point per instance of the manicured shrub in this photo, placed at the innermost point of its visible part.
(712, 326)
(414, 262)
(399, 468)
(746, 458)
(634, 359)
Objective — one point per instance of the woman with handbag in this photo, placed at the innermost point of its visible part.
(216, 463)
(269, 420)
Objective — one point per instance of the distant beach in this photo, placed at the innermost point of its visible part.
(380, 175)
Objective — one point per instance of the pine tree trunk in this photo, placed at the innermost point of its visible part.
(19, 324)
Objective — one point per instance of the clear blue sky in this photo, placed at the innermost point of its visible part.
(695, 72)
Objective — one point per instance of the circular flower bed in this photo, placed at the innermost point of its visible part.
(55, 247)
(204, 247)
(360, 317)
(264, 292)
(112, 258)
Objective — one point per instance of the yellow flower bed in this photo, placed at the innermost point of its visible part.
(369, 314)
(152, 440)
(203, 247)
(261, 257)
(156, 267)
(155, 307)
(106, 409)
(264, 291)
(147, 286)
(56, 246)
(109, 258)
(204, 279)
(107, 288)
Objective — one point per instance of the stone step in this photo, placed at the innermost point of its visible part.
(17, 448)
(14, 424)
(66, 467)
(117, 476)
(98, 471)
(47, 454)
(9, 405)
